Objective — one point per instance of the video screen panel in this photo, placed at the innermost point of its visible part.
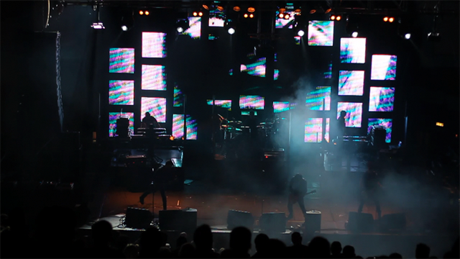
(121, 60)
(248, 113)
(328, 73)
(257, 68)
(114, 116)
(194, 30)
(156, 106)
(192, 128)
(177, 97)
(121, 92)
(351, 82)
(327, 131)
(353, 50)
(354, 115)
(381, 99)
(280, 107)
(227, 104)
(282, 22)
(252, 102)
(297, 40)
(314, 130)
(383, 67)
(153, 44)
(216, 17)
(383, 122)
(178, 126)
(153, 77)
(276, 74)
(319, 99)
(320, 33)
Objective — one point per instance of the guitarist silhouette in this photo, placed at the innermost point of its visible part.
(160, 180)
(297, 191)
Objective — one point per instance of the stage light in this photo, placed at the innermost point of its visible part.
(98, 26)
(236, 8)
(147, 12)
(180, 29)
(354, 34)
(281, 15)
(282, 10)
(124, 28)
(332, 17)
(200, 13)
(328, 10)
(312, 11)
(287, 16)
(439, 124)
(301, 33)
(407, 36)
(141, 12)
(251, 9)
(231, 31)
(171, 138)
(220, 8)
(205, 7)
(385, 19)
(251, 15)
(195, 13)
(246, 15)
(338, 18)
(391, 19)
(298, 11)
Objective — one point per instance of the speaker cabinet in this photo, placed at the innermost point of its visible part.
(236, 218)
(273, 222)
(360, 222)
(178, 220)
(138, 218)
(313, 221)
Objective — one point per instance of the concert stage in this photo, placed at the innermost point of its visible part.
(335, 197)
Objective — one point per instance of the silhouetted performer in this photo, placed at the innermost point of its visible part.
(160, 179)
(341, 125)
(150, 120)
(370, 188)
(297, 191)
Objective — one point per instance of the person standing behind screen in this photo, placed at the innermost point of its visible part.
(341, 126)
(150, 120)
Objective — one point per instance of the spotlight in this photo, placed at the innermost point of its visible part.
(124, 28)
(231, 31)
(338, 18)
(332, 17)
(220, 8)
(312, 11)
(281, 15)
(251, 9)
(407, 36)
(205, 7)
(200, 13)
(141, 12)
(180, 29)
(182, 25)
(385, 19)
(287, 16)
(301, 33)
(147, 12)
(98, 26)
(354, 34)
(328, 10)
(391, 19)
(195, 13)
(251, 15)
(298, 11)
(236, 8)
(245, 15)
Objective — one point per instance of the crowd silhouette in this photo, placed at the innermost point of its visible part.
(54, 235)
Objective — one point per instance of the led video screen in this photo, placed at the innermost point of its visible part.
(252, 102)
(216, 22)
(121, 92)
(192, 128)
(320, 33)
(194, 30)
(383, 67)
(276, 74)
(121, 60)
(178, 126)
(216, 17)
(354, 115)
(153, 45)
(319, 99)
(385, 123)
(255, 69)
(282, 22)
(153, 77)
(177, 97)
(297, 40)
(314, 130)
(353, 50)
(351, 82)
(328, 73)
(280, 107)
(227, 104)
(114, 116)
(381, 99)
(247, 113)
(156, 106)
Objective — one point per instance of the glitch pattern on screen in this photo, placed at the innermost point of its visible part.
(156, 106)
(383, 67)
(354, 115)
(153, 77)
(281, 107)
(381, 99)
(319, 99)
(192, 128)
(351, 82)
(153, 44)
(276, 74)
(313, 130)
(121, 60)
(282, 22)
(320, 33)
(252, 102)
(114, 116)
(353, 50)
(227, 104)
(385, 123)
(194, 30)
(178, 126)
(121, 92)
(177, 97)
(257, 68)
